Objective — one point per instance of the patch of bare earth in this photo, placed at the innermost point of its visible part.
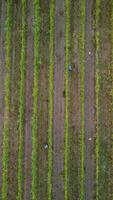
(28, 101)
(89, 101)
(43, 100)
(58, 120)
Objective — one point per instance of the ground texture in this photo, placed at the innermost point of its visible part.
(56, 100)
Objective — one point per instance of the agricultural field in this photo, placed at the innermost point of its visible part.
(56, 99)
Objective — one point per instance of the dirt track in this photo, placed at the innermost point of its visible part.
(58, 124)
(89, 100)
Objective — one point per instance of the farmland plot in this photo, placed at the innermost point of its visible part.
(56, 100)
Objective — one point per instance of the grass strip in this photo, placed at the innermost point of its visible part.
(97, 40)
(82, 95)
(5, 157)
(34, 184)
(67, 45)
(21, 116)
(50, 106)
(112, 92)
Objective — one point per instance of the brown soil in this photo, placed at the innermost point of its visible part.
(89, 100)
(43, 100)
(28, 102)
(58, 120)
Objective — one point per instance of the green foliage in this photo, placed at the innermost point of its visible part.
(67, 29)
(34, 185)
(51, 72)
(5, 157)
(112, 87)
(82, 62)
(21, 116)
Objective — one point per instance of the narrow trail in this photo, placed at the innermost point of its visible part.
(28, 102)
(89, 101)
(43, 100)
(58, 119)
(82, 98)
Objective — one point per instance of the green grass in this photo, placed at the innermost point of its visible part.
(112, 90)
(34, 184)
(21, 117)
(67, 29)
(97, 40)
(82, 63)
(5, 158)
(50, 106)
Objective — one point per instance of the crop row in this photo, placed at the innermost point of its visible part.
(5, 157)
(21, 115)
(112, 89)
(50, 106)
(82, 90)
(34, 184)
(67, 29)
(97, 38)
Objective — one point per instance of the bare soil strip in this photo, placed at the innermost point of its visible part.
(89, 101)
(43, 100)
(58, 119)
(28, 102)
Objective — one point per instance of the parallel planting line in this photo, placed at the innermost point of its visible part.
(112, 92)
(67, 29)
(82, 90)
(5, 157)
(51, 86)
(34, 184)
(97, 36)
(21, 117)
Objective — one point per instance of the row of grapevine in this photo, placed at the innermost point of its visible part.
(6, 130)
(34, 184)
(21, 116)
(112, 89)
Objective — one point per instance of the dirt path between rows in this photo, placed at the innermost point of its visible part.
(89, 100)
(28, 102)
(58, 130)
(2, 75)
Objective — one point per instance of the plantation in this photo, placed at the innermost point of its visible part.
(56, 100)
